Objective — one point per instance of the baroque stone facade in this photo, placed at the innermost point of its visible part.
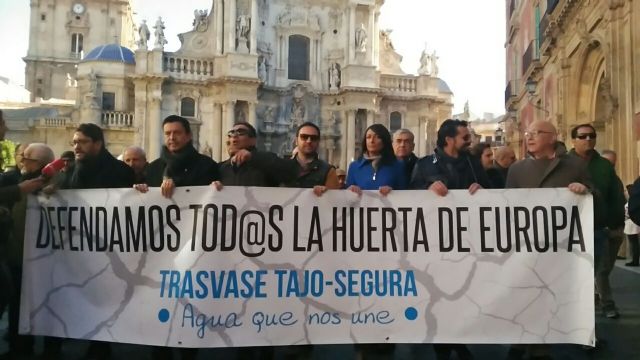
(572, 62)
(273, 63)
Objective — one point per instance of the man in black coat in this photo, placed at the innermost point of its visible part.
(179, 164)
(95, 167)
(247, 166)
(450, 166)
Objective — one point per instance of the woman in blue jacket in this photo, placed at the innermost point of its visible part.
(377, 168)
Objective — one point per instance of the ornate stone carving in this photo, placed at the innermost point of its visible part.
(200, 21)
(243, 28)
(262, 69)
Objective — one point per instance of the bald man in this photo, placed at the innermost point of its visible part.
(136, 158)
(34, 158)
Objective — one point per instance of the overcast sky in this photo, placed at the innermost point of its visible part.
(468, 35)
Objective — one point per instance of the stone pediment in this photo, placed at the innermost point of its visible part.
(298, 17)
(199, 42)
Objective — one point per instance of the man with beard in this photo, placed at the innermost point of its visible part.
(35, 157)
(179, 164)
(450, 166)
(312, 172)
(95, 167)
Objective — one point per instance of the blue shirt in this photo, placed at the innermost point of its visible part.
(361, 173)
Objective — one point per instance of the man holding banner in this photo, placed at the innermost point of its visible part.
(545, 168)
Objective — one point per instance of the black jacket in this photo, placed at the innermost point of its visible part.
(456, 173)
(409, 164)
(315, 174)
(263, 169)
(186, 168)
(634, 202)
(102, 172)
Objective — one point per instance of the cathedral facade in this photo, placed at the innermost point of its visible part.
(274, 64)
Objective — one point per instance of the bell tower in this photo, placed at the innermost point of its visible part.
(62, 31)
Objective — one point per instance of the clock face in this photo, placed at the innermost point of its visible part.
(78, 8)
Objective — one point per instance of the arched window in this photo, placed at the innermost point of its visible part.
(188, 107)
(298, 57)
(395, 121)
(76, 43)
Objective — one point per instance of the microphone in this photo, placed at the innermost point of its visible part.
(52, 168)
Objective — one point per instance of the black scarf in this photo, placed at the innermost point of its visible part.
(179, 161)
(84, 172)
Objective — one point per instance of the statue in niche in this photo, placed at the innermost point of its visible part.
(71, 82)
(262, 69)
(200, 21)
(93, 83)
(297, 112)
(243, 27)
(240, 115)
(361, 39)
(143, 35)
(161, 40)
(334, 76)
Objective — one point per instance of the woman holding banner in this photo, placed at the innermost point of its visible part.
(377, 168)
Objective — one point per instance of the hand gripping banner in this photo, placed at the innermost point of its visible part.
(275, 266)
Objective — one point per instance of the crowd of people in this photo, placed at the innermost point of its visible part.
(387, 164)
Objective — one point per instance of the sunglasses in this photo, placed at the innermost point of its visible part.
(237, 132)
(305, 137)
(589, 136)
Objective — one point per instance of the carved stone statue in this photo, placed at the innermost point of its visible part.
(243, 27)
(425, 63)
(334, 76)
(434, 64)
(262, 69)
(143, 35)
(361, 39)
(200, 23)
(161, 40)
(93, 83)
(297, 112)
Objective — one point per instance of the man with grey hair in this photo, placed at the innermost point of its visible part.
(136, 158)
(34, 158)
(403, 146)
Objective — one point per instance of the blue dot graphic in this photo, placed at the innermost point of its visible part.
(411, 313)
(163, 315)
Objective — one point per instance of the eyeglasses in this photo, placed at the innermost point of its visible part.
(305, 137)
(80, 142)
(536, 133)
(237, 132)
(589, 136)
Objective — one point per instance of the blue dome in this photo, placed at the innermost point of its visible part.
(111, 52)
(443, 87)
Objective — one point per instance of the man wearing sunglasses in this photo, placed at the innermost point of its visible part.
(608, 211)
(247, 166)
(312, 172)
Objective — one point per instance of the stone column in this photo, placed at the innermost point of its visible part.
(217, 134)
(352, 33)
(370, 117)
(154, 128)
(231, 39)
(344, 162)
(219, 27)
(252, 114)
(420, 136)
(140, 113)
(255, 23)
(351, 133)
(372, 36)
(376, 39)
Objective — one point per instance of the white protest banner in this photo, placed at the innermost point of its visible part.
(275, 266)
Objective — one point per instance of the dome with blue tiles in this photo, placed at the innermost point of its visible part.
(111, 53)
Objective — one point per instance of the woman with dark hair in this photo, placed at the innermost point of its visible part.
(377, 168)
